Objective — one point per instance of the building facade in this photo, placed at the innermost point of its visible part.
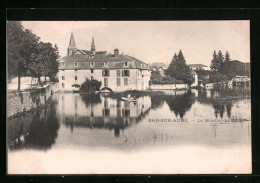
(118, 72)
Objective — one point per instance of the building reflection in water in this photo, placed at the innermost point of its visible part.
(99, 111)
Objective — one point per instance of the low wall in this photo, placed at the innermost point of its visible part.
(22, 101)
(168, 86)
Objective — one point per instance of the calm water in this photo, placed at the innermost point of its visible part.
(212, 119)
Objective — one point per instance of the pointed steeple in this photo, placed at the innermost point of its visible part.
(72, 41)
(72, 46)
(93, 48)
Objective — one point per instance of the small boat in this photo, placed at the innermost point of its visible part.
(128, 99)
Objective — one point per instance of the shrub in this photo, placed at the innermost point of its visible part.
(90, 86)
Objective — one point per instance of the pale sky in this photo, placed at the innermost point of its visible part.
(151, 41)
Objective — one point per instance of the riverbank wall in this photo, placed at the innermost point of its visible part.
(168, 86)
(24, 101)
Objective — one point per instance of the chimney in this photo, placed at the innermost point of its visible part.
(116, 52)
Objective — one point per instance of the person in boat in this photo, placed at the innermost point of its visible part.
(129, 96)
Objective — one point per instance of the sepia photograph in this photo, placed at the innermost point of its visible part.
(128, 97)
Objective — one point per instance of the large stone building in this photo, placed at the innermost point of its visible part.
(118, 72)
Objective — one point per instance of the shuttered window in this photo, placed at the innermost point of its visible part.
(105, 72)
(118, 73)
(125, 81)
(125, 73)
(118, 81)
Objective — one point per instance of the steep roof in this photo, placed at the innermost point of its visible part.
(101, 61)
(196, 65)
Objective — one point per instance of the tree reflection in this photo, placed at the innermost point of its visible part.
(91, 99)
(37, 130)
(180, 104)
(222, 99)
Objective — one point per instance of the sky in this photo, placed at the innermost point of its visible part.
(151, 41)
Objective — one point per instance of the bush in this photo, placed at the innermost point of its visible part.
(90, 86)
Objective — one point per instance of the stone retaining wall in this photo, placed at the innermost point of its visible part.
(168, 86)
(22, 101)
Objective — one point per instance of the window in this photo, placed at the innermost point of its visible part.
(125, 73)
(75, 64)
(63, 85)
(125, 63)
(91, 70)
(118, 73)
(105, 81)
(125, 81)
(106, 112)
(62, 77)
(105, 72)
(76, 78)
(118, 81)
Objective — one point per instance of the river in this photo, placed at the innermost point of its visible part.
(169, 132)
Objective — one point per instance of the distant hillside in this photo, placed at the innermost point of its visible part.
(235, 68)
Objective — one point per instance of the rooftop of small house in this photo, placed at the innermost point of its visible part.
(158, 65)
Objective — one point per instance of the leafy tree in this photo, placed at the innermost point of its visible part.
(20, 44)
(51, 63)
(37, 66)
(156, 77)
(234, 68)
(27, 56)
(227, 57)
(90, 86)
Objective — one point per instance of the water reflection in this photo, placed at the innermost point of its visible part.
(222, 99)
(37, 129)
(102, 112)
(93, 117)
(180, 103)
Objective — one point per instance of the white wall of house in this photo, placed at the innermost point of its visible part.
(138, 79)
(196, 80)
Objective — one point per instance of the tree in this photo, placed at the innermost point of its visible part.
(156, 77)
(179, 70)
(20, 46)
(51, 63)
(220, 57)
(215, 62)
(227, 57)
(174, 58)
(181, 57)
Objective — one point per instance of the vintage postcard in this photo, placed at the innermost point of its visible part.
(128, 97)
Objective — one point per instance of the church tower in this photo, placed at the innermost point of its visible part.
(72, 46)
(93, 48)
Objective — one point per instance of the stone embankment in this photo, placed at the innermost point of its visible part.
(24, 101)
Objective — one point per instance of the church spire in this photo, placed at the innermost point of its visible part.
(93, 48)
(72, 41)
(72, 46)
